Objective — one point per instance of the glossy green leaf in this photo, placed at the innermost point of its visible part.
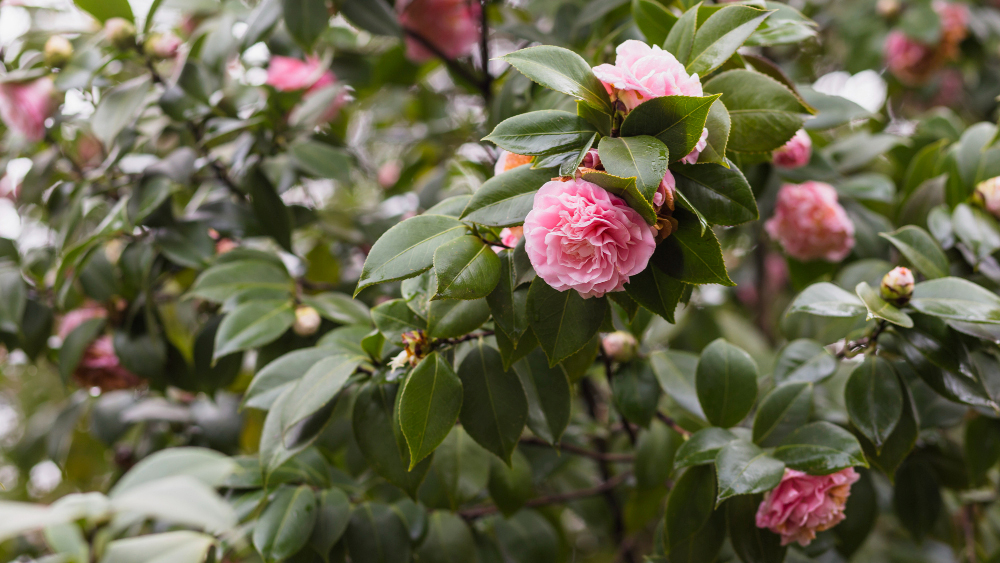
(120, 105)
(820, 448)
(280, 374)
(764, 113)
(542, 132)
(168, 547)
(977, 229)
(804, 360)
(378, 435)
(376, 16)
(505, 199)
(751, 543)
(508, 302)
(726, 382)
(459, 471)
(465, 268)
(677, 121)
(677, 371)
(305, 20)
(104, 10)
(333, 513)
(642, 157)
(878, 308)
(232, 279)
(721, 35)
(746, 469)
(917, 498)
(656, 291)
(429, 406)
(722, 195)
(681, 37)
(319, 386)
(548, 393)
(690, 255)
(561, 70)
(377, 534)
(627, 189)
(982, 447)
(510, 487)
(286, 524)
(494, 406)
(654, 455)
(874, 399)
(253, 324)
(689, 506)
(320, 159)
(13, 298)
(782, 411)
(563, 321)
(827, 300)
(653, 20)
(339, 308)
(452, 318)
(407, 249)
(274, 217)
(449, 540)
(635, 392)
(702, 447)
(957, 299)
(922, 251)
(899, 444)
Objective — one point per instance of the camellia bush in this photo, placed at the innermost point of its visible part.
(499, 281)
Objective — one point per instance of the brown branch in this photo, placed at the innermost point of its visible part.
(484, 51)
(557, 498)
(570, 448)
(672, 424)
(853, 347)
(452, 64)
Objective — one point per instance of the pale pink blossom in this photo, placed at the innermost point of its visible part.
(810, 224)
(579, 236)
(988, 195)
(24, 106)
(620, 346)
(452, 26)
(796, 152)
(665, 192)
(802, 504)
(642, 72)
(897, 285)
(508, 161)
(290, 75)
(510, 236)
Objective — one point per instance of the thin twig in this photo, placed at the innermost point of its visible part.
(570, 448)
(853, 347)
(484, 52)
(452, 64)
(557, 498)
(672, 424)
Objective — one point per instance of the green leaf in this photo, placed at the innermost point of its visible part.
(377, 534)
(548, 393)
(510, 487)
(635, 392)
(656, 291)
(375, 16)
(702, 447)
(726, 381)
(120, 105)
(465, 268)
(505, 199)
(917, 498)
(827, 300)
(333, 513)
(448, 540)
(319, 386)
(305, 20)
(429, 406)
(207, 466)
(690, 255)
(561, 70)
(286, 524)
(689, 506)
(765, 114)
(380, 439)
(745, 469)
(751, 543)
(563, 321)
(654, 21)
(654, 456)
(677, 371)
(982, 447)
(642, 157)
(920, 248)
(677, 121)
(722, 195)
(627, 189)
(168, 547)
(804, 360)
(782, 411)
(874, 399)
(281, 374)
(232, 279)
(494, 406)
(718, 38)
(320, 159)
(75, 346)
(452, 318)
(542, 132)
(270, 210)
(820, 448)
(253, 324)
(459, 472)
(956, 299)
(339, 308)
(13, 298)
(718, 124)
(395, 317)
(407, 249)
(977, 229)
(680, 40)
(509, 303)
(878, 308)
(898, 444)
(104, 10)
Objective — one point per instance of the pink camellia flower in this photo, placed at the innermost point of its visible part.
(665, 192)
(510, 236)
(509, 161)
(288, 74)
(802, 504)
(908, 59)
(579, 236)
(796, 152)
(810, 224)
(100, 367)
(988, 195)
(24, 106)
(450, 25)
(642, 72)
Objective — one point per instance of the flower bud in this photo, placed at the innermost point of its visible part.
(988, 195)
(897, 286)
(887, 8)
(307, 321)
(162, 46)
(620, 346)
(120, 32)
(58, 50)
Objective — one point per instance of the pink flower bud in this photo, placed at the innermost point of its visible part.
(58, 51)
(810, 224)
(620, 346)
(289, 75)
(988, 195)
(451, 26)
(120, 32)
(802, 504)
(796, 152)
(307, 321)
(24, 106)
(591, 160)
(897, 286)
(162, 46)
